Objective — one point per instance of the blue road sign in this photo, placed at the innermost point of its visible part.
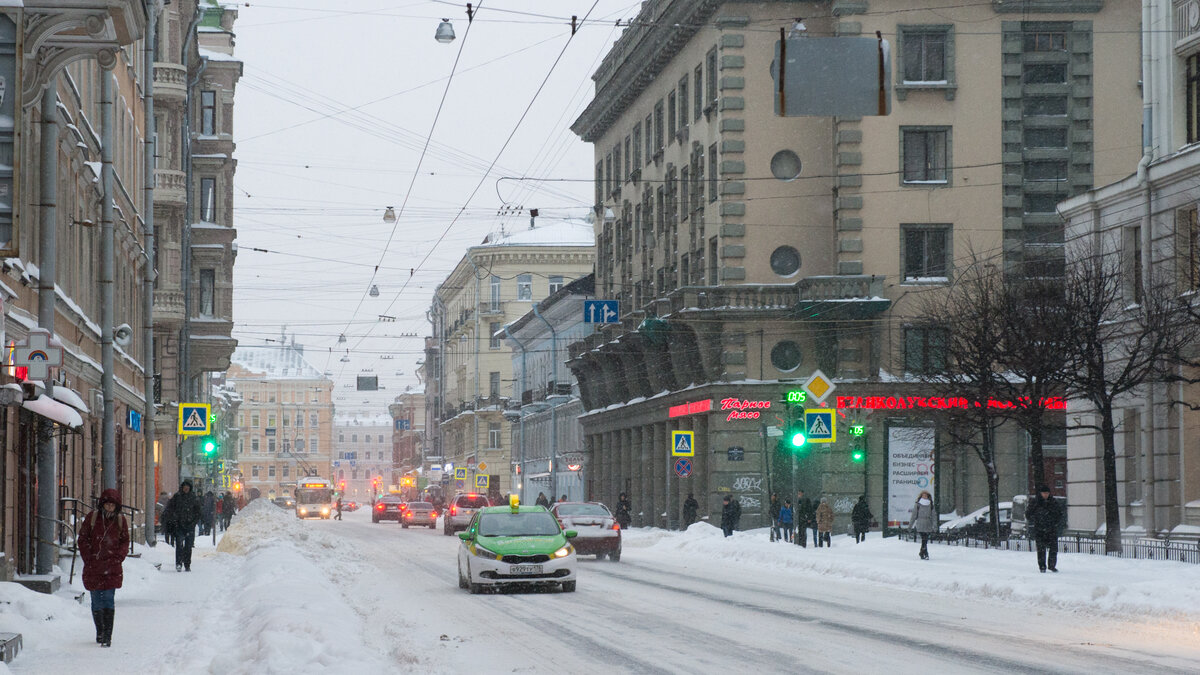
(481, 481)
(683, 443)
(683, 467)
(460, 473)
(601, 311)
(819, 425)
(194, 420)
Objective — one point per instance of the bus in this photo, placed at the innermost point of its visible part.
(314, 498)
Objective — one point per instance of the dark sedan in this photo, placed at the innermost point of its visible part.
(599, 533)
(388, 508)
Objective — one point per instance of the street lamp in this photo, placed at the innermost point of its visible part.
(389, 214)
(445, 32)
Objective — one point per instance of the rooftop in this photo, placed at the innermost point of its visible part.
(276, 361)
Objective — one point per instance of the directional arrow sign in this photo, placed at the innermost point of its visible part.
(601, 311)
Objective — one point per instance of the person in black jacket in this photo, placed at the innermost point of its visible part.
(806, 519)
(861, 517)
(690, 508)
(208, 513)
(228, 508)
(624, 512)
(1044, 515)
(776, 535)
(182, 514)
(542, 500)
(731, 510)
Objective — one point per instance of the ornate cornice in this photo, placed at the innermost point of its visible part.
(56, 34)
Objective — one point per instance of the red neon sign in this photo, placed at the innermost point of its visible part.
(943, 403)
(743, 409)
(690, 408)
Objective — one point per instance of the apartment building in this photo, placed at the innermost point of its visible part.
(408, 434)
(362, 456)
(750, 251)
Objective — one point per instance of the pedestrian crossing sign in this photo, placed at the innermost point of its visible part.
(194, 419)
(460, 473)
(683, 443)
(820, 425)
(481, 481)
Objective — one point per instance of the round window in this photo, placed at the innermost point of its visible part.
(785, 356)
(785, 165)
(785, 261)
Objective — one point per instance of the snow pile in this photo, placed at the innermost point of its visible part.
(1086, 583)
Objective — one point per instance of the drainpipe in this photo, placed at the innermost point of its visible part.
(478, 347)
(47, 478)
(148, 150)
(185, 350)
(521, 397)
(1143, 173)
(553, 406)
(108, 453)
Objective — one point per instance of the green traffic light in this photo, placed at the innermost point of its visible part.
(858, 455)
(210, 446)
(798, 439)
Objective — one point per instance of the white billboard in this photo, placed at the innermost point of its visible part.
(910, 470)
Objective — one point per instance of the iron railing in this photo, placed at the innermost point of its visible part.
(1181, 549)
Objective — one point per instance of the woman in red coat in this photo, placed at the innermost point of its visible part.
(103, 543)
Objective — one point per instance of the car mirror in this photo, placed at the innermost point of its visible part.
(570, 534)
(465, 536)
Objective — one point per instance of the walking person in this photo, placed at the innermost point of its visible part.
(103, 544)
(824, 523)
(542, 500)
(802, 513)
(183, 512)
(208, 513)
(338, 506)
(774, 512)
(922, 520)
(624, 511)
(690, 509)
(861, 517)
(785, 520)
(220, 513)
(1045, 518)
(731, 511)
(228, 509)
(159, 508)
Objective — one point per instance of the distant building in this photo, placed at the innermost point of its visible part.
(362, 455)
(285, 418)
(408, 434)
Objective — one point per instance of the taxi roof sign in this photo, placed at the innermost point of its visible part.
(514, 501)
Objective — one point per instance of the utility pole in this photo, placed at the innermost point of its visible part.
(149, 148)
(47, 478)
(108, 454)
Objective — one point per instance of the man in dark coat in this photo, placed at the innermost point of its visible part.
(103, 543)
(861, 516)
(1044, 515)
(208, 513)
(228, 508)
(773, 511)
(690, 508)
(182, 514)
(731, 512)
(542, 500)
(805, 517)
(624, 513)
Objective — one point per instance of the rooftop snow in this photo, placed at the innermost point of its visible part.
(276, 361)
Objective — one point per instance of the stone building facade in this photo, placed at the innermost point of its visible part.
(362, 464)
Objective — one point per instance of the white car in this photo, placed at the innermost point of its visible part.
(977, 521)
(517, 545)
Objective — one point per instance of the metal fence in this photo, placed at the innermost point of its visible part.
(1185, 549)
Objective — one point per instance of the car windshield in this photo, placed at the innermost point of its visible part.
(472, 502)
(420, 506)
(581, 510)
(517, 524)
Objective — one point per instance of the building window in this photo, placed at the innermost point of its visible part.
(785, 261)
(208, 113)
(924, 55)
(628, 158)
(683, 102)
(1133, 263)
(270, 445)
(254, 445)
(1187, 236)
(271, 418)
(924, 350)
(658, 127)
(254, 420)
(287, 420)
(313, 420)
(671, 117)
(254, 471)
(786, 356)
(556, 283)
(1046, 41)
(494, 384)
(712, 173)
(1048, 137)
(494, 335)
(712, 262)
(618, 177)
(494, 434)
(312, 445)
(525, 287)
(650, 147)
(271, 471)
(925, 154)
(1043, 202)
(208, 281)
(286, 471)
(208, 200)
(925, 251)
(710, 65)
(495, 298)
(1193, 98)
(1044, 106)
(698, 92)
(599, 183)
(636, 147)
(1045, 73)
(685, 197)
(1046, 170)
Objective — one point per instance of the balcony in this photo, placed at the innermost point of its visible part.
(169, 187)
(830, 297)
(211, 343)
(170, 82)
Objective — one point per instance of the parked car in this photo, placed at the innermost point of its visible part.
(1020, 525)
(461, 509)
(285, 502)
(978, 523)
(387, 508)
(421, 514)
(599, 533)
(515, 545)
(350, 506)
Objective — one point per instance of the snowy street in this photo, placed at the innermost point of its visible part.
(279, 595)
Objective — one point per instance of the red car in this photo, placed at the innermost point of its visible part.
(599, 533)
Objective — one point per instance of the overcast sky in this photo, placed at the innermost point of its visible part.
(332, 112)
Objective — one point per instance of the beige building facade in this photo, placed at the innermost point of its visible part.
(362, 456)
(749, 250)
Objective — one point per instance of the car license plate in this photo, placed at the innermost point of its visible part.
(525, 569)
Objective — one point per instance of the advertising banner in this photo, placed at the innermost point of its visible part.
(910, 470)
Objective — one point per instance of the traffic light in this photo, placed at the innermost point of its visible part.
(858, 451)
(795, 436)
(857, 454)
(209, 445)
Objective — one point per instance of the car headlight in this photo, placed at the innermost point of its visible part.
(563, 552)
(325, 511)
(484, 553)
(303, 511)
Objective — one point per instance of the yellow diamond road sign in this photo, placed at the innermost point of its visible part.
(819, 386)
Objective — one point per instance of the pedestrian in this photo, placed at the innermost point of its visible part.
(922, 520)
(542, 500)
(208, 512)
(773, 511)
(183, 512)
(690, 508)
(1045, 518)
(220, 511)
(159, 507)
(806, 519)
(624, 513)
(338, 506)
(562, 499)
(785, 520)
(229, 509)
(861, 518)
(241, 501)
(730, 510)
(824, 517)
(103, 543)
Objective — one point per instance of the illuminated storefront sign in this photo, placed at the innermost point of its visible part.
(942, 403)
(742, 409)
(690, 408)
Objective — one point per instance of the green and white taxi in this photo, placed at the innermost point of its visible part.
(515, 545)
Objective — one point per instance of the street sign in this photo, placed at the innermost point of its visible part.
(819, 425)
(601, 311)
(819, 386)
(683, 443)
(735, 454)
(483, 466)
(774, 431)
(460, 473)
(39, 352)
(481, 481)
(193, 419)
(683, 467)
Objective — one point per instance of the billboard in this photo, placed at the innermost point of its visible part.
(910, 470)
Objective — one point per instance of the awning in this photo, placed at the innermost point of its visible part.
(70, 397)
(49, 408)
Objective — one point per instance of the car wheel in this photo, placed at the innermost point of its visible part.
(568, 586)
(615, 556)
(462, 581)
